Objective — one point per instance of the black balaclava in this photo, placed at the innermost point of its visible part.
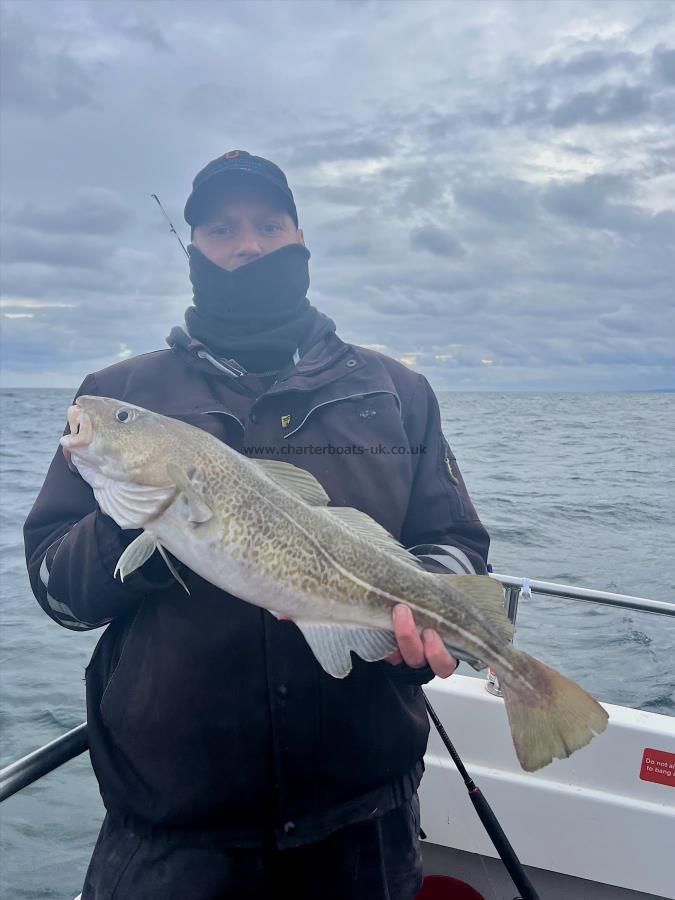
(256, 314)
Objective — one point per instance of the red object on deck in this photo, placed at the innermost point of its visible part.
(440, 887)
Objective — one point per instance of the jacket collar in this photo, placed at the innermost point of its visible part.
(324, 357)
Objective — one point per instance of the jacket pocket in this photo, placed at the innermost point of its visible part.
(360, 407)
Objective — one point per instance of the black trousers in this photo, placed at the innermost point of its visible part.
(379, 859)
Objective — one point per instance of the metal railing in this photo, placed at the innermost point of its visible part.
(42, 761)
(569, 592)
(62, 749)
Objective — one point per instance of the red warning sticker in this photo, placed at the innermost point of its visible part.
(658, 766)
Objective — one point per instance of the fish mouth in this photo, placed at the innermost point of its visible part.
(81, 430)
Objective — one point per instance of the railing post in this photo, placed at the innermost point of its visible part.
(511, 602)
(511, 598)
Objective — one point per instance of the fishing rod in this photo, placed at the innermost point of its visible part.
(171, 228)
(486, 815)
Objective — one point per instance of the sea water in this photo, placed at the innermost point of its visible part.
(576, 488)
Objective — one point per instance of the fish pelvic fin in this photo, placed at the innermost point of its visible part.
(485, 597)
(138, 552)
(550, 715)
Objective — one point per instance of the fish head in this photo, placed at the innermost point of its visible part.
(119, 441)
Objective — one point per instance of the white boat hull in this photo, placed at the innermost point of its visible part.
(587, 820)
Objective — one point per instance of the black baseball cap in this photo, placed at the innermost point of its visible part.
(237, 162)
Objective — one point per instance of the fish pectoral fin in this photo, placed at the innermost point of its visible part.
(138, 552)
(332, 645)
(297, 481)
(486, 597)
(362, 524)
(195, 507)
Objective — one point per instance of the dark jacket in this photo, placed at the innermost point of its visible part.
(204, 711)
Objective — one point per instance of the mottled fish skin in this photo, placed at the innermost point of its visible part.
(312, 564)
(264, 542)
(245, 527)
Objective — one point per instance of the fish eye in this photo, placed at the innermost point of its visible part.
(122, 415)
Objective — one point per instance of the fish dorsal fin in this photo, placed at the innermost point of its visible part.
(486, 599)
(297, 481)
(331, 645)
(197, 510)
(305, 486)
(362, 524)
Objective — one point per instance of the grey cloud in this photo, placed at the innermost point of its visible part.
(527, 103)
(630, 321)
(591, 62)
(436, 241)
(610, 103)
(503, 200)
(575, 148)
(562, 271)
(424, 190)
(663, 107)
(95, 211)
(664, 64)
(588, 202)
(24, 245)
(452, 127)
(651, 233)
(144, 31)
(40, 78)
(337, 149)
(343, 195)
(348, 248)
(133, 22)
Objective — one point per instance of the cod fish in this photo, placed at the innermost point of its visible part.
(263, 531)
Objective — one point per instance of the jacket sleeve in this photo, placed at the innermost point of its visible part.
(72, 548)
(441, 527)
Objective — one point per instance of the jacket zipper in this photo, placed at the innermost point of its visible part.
(221, 412)
(447, 465)
(362, 394)
(234, 369)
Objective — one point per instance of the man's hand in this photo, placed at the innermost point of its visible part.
(415, 651)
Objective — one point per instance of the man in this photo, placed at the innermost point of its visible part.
(229, 762)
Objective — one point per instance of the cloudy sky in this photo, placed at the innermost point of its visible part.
(487, 188)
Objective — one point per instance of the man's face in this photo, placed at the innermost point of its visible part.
(243, 223)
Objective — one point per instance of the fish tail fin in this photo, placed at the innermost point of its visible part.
(550, 715)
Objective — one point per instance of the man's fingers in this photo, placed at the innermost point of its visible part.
(394, 658)
(441, 662)
(416, 651)
(409, 641)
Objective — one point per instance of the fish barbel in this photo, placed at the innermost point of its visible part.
(262, 530)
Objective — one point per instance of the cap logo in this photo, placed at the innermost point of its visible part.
(232, 154)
